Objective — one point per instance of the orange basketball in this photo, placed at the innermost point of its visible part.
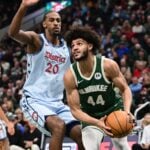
(119, 123)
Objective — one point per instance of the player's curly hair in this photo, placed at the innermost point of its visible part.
(86, 34)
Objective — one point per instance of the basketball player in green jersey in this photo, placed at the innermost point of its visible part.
(89, 84)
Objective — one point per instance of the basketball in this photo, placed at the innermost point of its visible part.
(119, 123)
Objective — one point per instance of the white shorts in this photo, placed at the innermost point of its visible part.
(35, 111)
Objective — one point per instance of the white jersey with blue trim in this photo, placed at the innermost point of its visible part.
(45, 71)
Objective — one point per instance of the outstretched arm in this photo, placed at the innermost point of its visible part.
(30, 38)
(74, 103)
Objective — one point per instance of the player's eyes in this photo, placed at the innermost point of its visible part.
(77, 44)
(52, 20)
(72, 45)
(80, 43)
(58, 20)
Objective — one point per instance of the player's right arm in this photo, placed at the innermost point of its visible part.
(29, 38)
(73, 100)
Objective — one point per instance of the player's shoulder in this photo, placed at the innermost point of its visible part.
(68, 73)
(111, 68)
(108, 63)
(69, 78)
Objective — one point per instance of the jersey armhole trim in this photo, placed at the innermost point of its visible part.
(42, 40)
(71, 68)
(103, 73)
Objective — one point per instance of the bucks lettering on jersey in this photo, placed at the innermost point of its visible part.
(97, 95)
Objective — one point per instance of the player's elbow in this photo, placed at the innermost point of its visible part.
(75, 113)
(11, 33)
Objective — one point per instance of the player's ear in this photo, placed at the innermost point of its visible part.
(44, 24)
(90, 46)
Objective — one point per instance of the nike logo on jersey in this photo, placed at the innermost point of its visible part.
(80, 81)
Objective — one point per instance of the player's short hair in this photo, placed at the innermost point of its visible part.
(84, 33)
(48, 12)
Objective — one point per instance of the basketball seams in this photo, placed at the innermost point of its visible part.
(108, 124)
(126, 123)
(114, 113)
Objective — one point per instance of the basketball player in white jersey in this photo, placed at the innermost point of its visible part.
(47, 60)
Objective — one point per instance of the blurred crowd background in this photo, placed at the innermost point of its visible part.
(124, 28)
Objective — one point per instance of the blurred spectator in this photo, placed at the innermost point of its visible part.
(126, 70)
(142, 97)
(32, 138)
(16, 140)
(6, 66)
(147, 25)
(117, 36)
(77, 22)
(138, 69)
(115, 26)
(146, 79)
(122, 50)
(118, 12)
(145, 139)
(23, 64)
(141, 56)
(4, 107)
(127, 30)
(135, 48)
(135, 86)
(147, 10)
(26, 136)
(138, 27)
(131, 3)
(127, 73)
(20, 117)
(16, 70)
(4, 81)
(2, 52)
(10, 105)
(146, 44)
(18, 91)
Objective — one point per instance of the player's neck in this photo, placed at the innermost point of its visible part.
(53, 39)
(86, 66)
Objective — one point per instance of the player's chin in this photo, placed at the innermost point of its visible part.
(77, 56)
(56, 33)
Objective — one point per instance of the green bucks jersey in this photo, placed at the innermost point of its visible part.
(97, 95)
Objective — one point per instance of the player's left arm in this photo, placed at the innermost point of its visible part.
(114, 74)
